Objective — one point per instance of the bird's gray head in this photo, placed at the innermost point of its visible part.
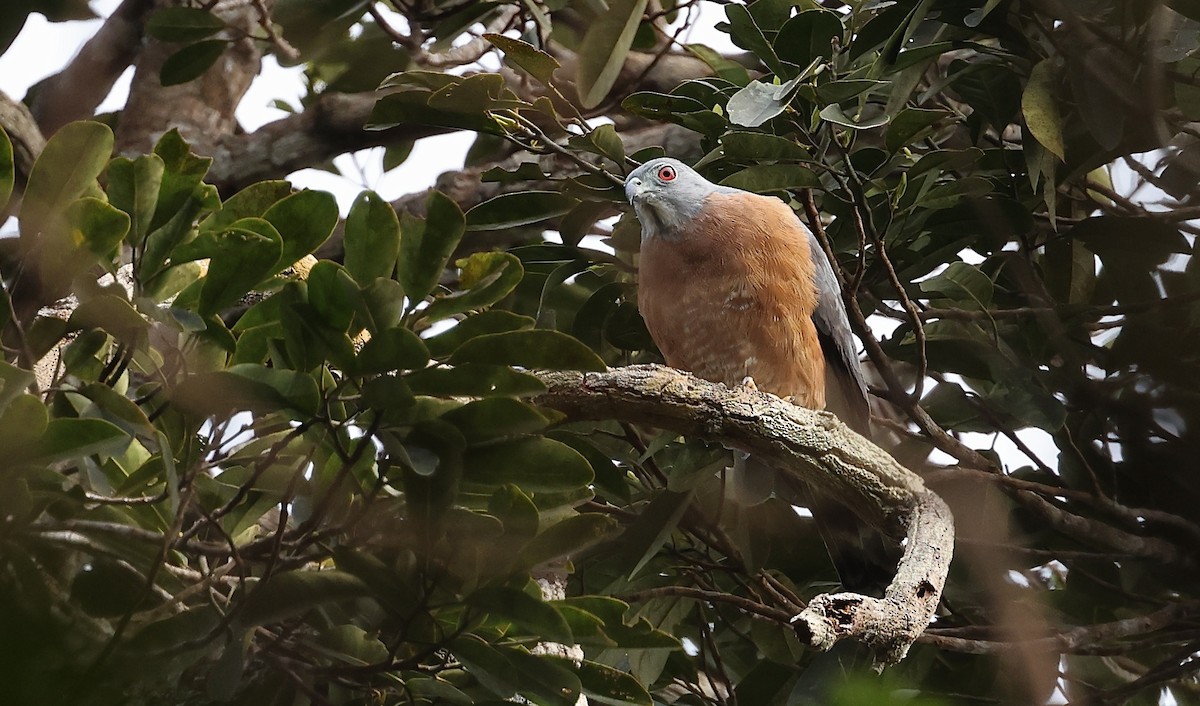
(666, 194)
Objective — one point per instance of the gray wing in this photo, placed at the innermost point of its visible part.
(837, 343)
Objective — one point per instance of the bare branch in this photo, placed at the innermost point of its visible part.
(74, 92)
(813, 447)
(1083, 639)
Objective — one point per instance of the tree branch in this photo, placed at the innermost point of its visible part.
(813, 447)
(1083, 639)
(27, 143)
(74, 92)
(331, 126)
(202, 109)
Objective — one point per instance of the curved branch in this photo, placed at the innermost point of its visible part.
(817, 449)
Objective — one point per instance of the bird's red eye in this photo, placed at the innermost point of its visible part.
(666, 173)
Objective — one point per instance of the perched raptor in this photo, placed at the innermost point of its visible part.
(733, 286)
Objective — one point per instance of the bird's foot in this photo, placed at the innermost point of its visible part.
(748, 383)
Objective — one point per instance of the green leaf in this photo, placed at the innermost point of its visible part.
(605, 685)
(13, 381)
(653, 527)
(295, 592)
(519, 208)
(746, 34)
(723, 66)
(681, 110)
(245, 255)
(437, 690)
(472, 95)
(495, 417)
(568, 537)
(333, 293)
(8, 170)
(113, 314)
(96, 225)
(949, 405)
(909, 124)
(381, 304)
(119, 409)
(533, 465)
(66, 170)
(247, 386)
(524, 611)
(133, 187)
(761, 147)
(963, 283)
(191, 62)
(23, 421)
(481, 324)
(603, 141)
(487, 664)
(397, 154)
(758, 102)
(372, 238)
(426, 245)
(834, 114)
(474, 380)
(66, 439)
(392, 349)
(773, 177)
(1040, 108)
(183, 24)
(808, 35)
(544, 678)
(487, 277)
(411, 108)
(533, 61)
(304, 220)
(551, 350)
(183, 172)
(251, 202)
(604, 48)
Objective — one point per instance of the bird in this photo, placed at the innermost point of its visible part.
(735, 289)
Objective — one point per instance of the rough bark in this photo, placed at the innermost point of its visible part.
(202, 109)
(815, 448)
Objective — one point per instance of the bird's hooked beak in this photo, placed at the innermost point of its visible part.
(634, 188)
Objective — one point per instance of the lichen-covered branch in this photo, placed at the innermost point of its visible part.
(817, 449)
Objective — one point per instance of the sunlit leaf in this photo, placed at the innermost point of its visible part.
(1040, 108)
(66, 170)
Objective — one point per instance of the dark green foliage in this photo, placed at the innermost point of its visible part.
(255, 481)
